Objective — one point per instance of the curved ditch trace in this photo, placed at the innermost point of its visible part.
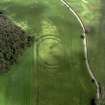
(67, 4)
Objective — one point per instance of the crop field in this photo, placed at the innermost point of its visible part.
(52, 71)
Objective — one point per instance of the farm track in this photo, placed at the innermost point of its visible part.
(67, 4)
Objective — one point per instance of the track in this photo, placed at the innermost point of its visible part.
(67, 4)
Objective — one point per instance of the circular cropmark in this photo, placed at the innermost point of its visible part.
(50, 51)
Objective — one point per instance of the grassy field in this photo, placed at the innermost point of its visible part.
(93, 17)
(52, 71)
(89, 10)
(96, 50)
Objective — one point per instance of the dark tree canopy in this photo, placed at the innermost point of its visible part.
(13, 40)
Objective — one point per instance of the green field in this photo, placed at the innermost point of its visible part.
(93, 13)
(53, 70)
(96, 50)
